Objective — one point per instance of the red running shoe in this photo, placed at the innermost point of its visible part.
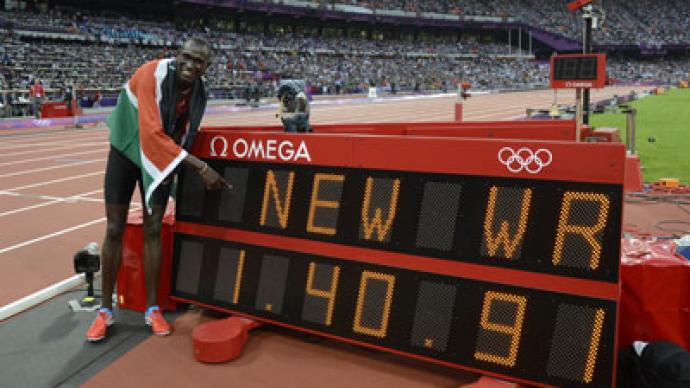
(159, 326)
(99, 327)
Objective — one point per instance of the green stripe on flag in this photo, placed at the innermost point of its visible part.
(124, 135)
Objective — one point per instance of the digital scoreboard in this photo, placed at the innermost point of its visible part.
(578, 71)
(496, 256)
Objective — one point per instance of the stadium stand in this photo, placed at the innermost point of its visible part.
(97, 50)
(626, 21)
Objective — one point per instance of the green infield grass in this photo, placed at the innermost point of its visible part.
(663, 134)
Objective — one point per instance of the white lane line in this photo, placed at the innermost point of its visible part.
(51, 235)
(36, 196)
(40, 296)
(71, 198)
(66, 165)
(52, 202)
(51, 144)
(45, 139)
(53, 157)
(27, 208)
(50, 182)
(51, 291)
(49, 149)
(45, 142)
(20, 137)
(79, 197)
(58, 233)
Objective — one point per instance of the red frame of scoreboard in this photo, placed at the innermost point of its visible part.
(599, 82)
(604, 164)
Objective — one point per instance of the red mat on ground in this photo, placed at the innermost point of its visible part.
(655, 300)
(221, 340)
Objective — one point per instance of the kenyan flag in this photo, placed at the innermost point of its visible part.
(136, 128)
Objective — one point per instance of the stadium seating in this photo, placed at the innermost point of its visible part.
(96, 51)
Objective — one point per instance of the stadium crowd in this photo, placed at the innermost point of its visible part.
(626, 21)
(101, 50)
(104, 66)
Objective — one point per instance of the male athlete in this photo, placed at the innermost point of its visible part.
(152, 127)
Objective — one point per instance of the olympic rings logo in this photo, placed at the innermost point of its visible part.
(524, 159)
(42, 122)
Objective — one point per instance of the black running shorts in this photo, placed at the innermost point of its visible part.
(120, 177)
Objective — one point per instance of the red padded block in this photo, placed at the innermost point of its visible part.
(609, 135)
(221, 340)
(52, 109)
(458, 111)
(655, 299)
(131, 286)
(633, 175)
(585, 132)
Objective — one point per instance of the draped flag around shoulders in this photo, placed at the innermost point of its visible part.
(136, 128)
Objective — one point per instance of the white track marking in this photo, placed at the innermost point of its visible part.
(51, 143)
(19, 138)
(40, 296)
(71, 198)
(68, 200)
(56, 234)
(25, 172)
(27, 208)
(51, 235)
(53, 137)
(53, 157)
(48, 149)
(50, 182)
(52, 199)
(51, 291)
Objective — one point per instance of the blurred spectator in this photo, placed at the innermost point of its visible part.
(97, 99)
(36, 95)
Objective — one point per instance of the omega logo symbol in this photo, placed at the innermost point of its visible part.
(224, 151)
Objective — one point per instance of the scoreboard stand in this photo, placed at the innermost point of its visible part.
(496, 256)
(579, 72)
(582, 72)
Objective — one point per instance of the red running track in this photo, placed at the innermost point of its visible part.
(51, 178)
